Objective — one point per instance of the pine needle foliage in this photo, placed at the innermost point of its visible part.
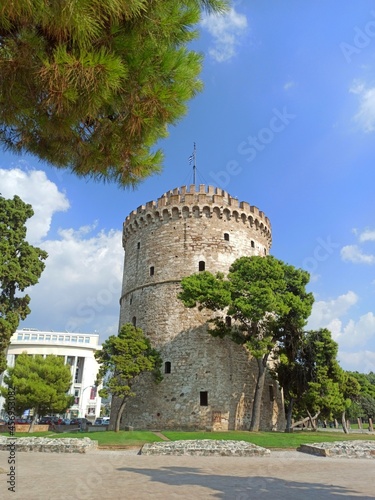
(91, 85)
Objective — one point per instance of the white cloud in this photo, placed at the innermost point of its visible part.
(367, 235)
(353, 253)
(365, 116)
(360, 361)
(324, 313)
(80, 286)
(350, 335)
(288, 85)
(81, 282)
(34, 188)
(226, 31)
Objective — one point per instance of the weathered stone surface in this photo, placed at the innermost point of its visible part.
(347, 449)
(55, 445)
(208, 382)
(204, 448)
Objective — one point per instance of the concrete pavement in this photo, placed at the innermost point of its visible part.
(116, 475)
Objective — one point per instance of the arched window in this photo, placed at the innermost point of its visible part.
(226, 236)
(167, 367)
(202, 265)
(152, 270)
(228, 321)
(252, 244)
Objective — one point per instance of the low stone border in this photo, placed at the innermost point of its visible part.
(55, 445)
(337, 449)
(205, 447)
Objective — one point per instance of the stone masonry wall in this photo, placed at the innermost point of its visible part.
(210, 383)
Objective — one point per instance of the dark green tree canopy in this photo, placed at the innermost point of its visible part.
(39, 384)
(21, 265)
(265, 301)
(122, 359)
(92, 86)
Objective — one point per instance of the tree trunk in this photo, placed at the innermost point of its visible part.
(302, 422)
(257, 404)
(289, 415)
(119, 414)
(33, 420)
(312, 420)
(343, 421)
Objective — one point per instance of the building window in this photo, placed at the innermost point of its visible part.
(152, 270)
(228, 321)
(252, 244)
(138, 245)
(203, 396)
(19, 336)
(134, 321)
(265, 252)
(202, 265)
(226, 236)
(34, 336)
(167, 367)
(76, 396)
(271, 392)
(87, 340)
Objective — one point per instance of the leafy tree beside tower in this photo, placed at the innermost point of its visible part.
(261, 303)
(21, 266)
(123, 358)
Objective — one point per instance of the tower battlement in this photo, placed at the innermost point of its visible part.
(196, 202)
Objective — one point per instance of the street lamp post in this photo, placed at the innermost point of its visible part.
(81, 400)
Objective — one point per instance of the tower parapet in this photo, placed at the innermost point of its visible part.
(193, 202)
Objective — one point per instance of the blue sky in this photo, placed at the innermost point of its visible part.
(286, 122)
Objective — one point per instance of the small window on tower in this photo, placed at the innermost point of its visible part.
(202, 265)
(228, 321)
(226, 236)
(134, 321)
(265, 252)
(252, 244)
(203, 396)
(152, 270)
(138, 245)
(167, 367)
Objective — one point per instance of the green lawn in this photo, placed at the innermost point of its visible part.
(270, 439)
(265, 439)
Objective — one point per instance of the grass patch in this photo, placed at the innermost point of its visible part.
(270, 439)
(122, 438)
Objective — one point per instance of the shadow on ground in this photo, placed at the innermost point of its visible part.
(244, 488)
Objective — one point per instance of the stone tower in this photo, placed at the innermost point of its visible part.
(208, 382)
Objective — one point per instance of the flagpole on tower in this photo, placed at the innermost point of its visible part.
(192, 160)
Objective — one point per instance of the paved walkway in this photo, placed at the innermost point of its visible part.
(113, 475)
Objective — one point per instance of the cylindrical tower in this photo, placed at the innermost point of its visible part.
(208, 382)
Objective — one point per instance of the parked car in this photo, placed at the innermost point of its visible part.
(80, 421)
(49, 420)
(102, 421)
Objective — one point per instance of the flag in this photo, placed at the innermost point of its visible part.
(191, 157)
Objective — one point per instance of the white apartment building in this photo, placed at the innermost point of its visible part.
(78, 351)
